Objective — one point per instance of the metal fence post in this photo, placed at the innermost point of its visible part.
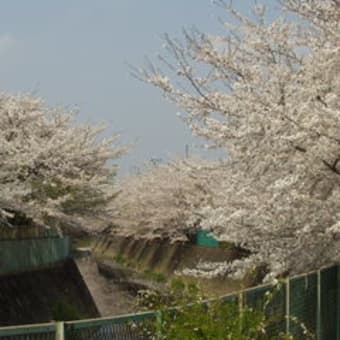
(241, 308)
(318, 307)
(287, 306)
(159, 325)
(60, 331)
(338, 304)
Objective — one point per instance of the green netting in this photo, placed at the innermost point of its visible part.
(328, 308)
(303, 305)
(21, 255)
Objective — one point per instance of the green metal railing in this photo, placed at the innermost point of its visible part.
(311, 300)
(123, 328)
(46, 331)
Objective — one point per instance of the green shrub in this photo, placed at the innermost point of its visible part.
(155, 276)
(64, 311)
(184, 314)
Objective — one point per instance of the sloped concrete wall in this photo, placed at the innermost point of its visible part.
(32, 297)
(165, 257)
(161, 255)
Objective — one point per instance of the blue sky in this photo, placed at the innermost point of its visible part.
(75, 53)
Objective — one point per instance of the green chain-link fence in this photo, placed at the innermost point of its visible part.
(311, 300)
(124, 328)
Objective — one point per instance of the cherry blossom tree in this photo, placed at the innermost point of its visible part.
(164, 200)
(269, 93)
(51, 168)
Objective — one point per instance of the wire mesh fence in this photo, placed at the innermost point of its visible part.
(329, 293)
(272, 301)
(308, 304)
(120, 328)
(302, 304)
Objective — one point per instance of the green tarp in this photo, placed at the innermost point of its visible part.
(206, 239)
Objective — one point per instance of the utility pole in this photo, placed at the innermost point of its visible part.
(186, 150)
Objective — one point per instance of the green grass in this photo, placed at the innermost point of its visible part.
(146, 274)
(64, 311)
(226, 245)
(123, 261)
(155, 276)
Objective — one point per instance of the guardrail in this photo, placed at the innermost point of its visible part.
(46, 331)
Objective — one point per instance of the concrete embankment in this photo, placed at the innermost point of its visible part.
(161, 255)
(165, 257)
(45, 294)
